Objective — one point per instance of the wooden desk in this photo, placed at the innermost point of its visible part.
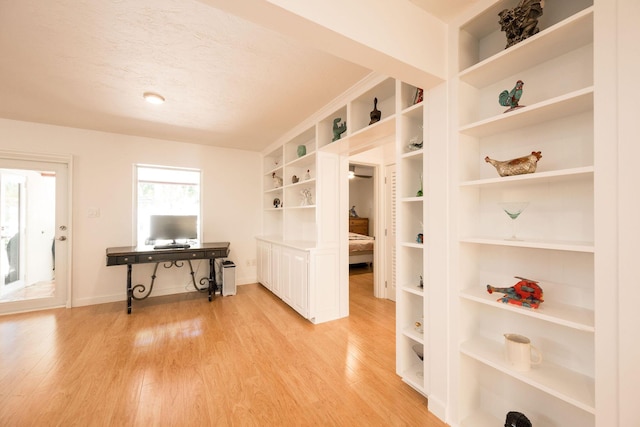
(129, 255)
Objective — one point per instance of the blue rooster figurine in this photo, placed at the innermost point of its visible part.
(511, 99)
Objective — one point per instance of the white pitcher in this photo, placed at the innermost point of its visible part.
(518, 352)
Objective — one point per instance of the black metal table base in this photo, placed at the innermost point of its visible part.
(208, 284)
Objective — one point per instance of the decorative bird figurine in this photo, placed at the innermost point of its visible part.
(277, 181)
(519, 166)
(511, 99)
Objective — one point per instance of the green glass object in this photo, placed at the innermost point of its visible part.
(302, 150)
(338, 129)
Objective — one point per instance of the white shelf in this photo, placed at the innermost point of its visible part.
(536, 177)
(412, 199)
(413, 289)
(568, 35)
(299, 207)
(307, 159)
(551, 311)
(414, 335)
(412, 245)
(569, 104)
(365, 139)
(560, 382)
(413, 110)
(412, 376)
(533, 244)
(301, 183)
(416, 154)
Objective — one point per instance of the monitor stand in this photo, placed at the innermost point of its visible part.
(173, 245)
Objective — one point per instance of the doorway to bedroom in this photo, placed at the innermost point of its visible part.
(362, 217)
(372, 223)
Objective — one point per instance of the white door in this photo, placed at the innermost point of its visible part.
(390, 231)
(34, 232)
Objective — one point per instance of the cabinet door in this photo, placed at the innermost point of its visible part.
(264, 264)
(298, 273)
(276, 280)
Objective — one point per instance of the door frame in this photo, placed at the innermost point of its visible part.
(63, 159)
(379, 290)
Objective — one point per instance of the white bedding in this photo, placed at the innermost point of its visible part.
(360, 242)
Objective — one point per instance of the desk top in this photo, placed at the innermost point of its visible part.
(143, 254)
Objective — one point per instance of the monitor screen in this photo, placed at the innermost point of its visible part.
(173, 227)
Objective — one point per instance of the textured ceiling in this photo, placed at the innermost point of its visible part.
(227, 82)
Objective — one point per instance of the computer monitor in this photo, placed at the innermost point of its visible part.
(173, 227)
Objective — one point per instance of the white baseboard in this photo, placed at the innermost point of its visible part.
(157, 292)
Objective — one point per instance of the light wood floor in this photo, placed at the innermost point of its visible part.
(243, 360)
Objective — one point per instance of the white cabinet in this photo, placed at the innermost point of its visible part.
(269, 266)
(275, 256)
(288, 275)
(555, 244)
(264, 263)
(296, 280)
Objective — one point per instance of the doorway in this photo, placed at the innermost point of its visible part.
(362, 225)
(34, 193)
(369, 196)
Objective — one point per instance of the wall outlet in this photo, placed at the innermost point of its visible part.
(93, 212)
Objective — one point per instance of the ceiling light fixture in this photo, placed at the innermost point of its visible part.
(352, 172)
(153, 98)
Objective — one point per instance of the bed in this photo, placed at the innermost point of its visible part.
(360, 249)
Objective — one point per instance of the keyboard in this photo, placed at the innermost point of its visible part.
(173, 246)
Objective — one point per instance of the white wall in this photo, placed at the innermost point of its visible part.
(361, 195)
(103, 179)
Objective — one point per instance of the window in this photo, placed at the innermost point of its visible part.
(165, 191)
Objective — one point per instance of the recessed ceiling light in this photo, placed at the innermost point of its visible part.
(153, 98)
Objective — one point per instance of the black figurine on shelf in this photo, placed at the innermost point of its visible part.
(516, 419)
(375, 114)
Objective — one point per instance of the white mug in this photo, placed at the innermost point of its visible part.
(518, 351)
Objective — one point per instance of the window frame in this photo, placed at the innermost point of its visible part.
(137, 240)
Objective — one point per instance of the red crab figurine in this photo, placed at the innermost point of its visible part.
(525, 293)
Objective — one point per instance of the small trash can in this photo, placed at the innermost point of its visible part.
(228, 278)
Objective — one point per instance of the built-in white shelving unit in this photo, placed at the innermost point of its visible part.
(303, 239)
(556, 231)
(412, 317)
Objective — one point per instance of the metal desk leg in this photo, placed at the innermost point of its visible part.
(129, 290)
(212, 278)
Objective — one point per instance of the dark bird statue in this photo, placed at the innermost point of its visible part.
(511, 99)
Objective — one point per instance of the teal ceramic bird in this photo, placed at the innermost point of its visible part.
(511, 99)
